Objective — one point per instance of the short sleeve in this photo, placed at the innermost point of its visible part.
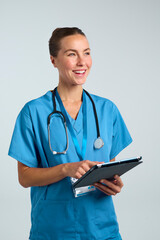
(22, 146)
(121, 137)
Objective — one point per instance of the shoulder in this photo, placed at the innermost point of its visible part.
(37, 104)
(103, 102)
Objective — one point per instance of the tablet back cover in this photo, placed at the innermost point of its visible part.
(107, 172)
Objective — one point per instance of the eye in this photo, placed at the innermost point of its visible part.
(71, 54)
(87, 53)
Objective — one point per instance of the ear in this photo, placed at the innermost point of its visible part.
(53, 61)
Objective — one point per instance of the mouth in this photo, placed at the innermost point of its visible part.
(80, 72)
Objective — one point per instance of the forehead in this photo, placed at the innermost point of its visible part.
(77, 42)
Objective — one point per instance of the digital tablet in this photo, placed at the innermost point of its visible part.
(106, 171)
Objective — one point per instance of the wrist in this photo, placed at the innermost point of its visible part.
(64, 169)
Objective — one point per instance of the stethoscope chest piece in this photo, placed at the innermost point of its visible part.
(98, 143)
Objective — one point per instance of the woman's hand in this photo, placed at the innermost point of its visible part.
(78, 169)
(110, 187)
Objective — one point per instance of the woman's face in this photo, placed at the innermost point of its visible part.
(73, 60)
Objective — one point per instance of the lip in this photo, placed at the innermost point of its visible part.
(80, 71)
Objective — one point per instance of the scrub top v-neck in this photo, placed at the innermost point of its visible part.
(77, 125)
(56, 213)
(80, 148)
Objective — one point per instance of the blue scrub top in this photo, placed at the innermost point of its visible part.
(56, 213)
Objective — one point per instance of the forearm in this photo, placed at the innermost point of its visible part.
(29, 177)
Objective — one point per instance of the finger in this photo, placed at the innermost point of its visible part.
(79, 173)
(81, 170)
(97, 162)
(85, 167)
(86, 164)
(111, 185)
(119, 181)
(92, 163)
(105, 189)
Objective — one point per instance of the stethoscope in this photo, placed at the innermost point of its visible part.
(98, 143)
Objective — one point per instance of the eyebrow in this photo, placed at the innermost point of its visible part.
(73, 50)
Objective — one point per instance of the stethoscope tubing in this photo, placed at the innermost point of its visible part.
(95, 113)
(65, 127)
(65, 123)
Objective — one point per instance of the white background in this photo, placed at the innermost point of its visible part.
(124, 38)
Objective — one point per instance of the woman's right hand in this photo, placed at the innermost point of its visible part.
(78, 169)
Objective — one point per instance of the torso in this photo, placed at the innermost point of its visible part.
(68, 217)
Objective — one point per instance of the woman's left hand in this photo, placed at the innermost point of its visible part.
(110, 187)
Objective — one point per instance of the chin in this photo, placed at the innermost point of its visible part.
(80, 82)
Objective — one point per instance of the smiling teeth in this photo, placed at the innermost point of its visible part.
(79, 71)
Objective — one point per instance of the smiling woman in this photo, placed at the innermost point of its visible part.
(73, 117)
(73, 60)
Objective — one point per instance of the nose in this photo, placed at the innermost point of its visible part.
(80, 60)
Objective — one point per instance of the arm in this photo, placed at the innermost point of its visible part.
(29, 177)
(110, 187)
(113, 160)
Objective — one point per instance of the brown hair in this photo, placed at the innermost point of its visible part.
(58, 34)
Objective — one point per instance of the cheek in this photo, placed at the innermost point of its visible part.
(89, 62)
(69, 65)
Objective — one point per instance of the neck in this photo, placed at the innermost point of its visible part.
(70, 93)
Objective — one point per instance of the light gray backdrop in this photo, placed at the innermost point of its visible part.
(125, 40)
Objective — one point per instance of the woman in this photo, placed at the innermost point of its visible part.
(56, 211)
